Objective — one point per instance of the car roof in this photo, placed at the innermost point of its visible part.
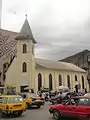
(81, 97)
(10, 96)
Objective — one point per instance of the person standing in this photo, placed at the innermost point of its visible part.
(85, 90)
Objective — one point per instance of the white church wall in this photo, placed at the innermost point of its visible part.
(13, 74)
(55, 74)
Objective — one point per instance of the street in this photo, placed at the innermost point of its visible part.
(35, 114)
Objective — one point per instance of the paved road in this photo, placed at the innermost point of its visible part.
(34, 114)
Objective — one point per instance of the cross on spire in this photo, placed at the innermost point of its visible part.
(26, 16)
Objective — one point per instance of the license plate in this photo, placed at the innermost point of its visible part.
(38, 100)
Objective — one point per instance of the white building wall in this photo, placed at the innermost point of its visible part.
(55, 74)
(14, 76)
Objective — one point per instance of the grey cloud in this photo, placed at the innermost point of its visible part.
(79, 41)
(56, 36)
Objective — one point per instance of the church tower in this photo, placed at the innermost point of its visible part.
(25, 56)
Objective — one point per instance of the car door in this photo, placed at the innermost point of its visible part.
(69, 110)
(83, 108)
(3, 103)
(82, 111)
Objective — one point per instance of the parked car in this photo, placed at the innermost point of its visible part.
(12, 104)
(33, 100)
(87, 95)
(77, 107)
(61, 97)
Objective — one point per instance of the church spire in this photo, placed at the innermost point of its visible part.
(25, 32)
(26, 16)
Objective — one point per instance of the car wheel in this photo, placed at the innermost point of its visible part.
(88, 118)
(56, 114)
(38, 106)
(20, 113)
(0, 113)
(26, 105)
(15, 113)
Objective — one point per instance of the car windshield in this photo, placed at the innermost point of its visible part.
(84, 101)
(3, 100)
(32, 95)
(15, 100)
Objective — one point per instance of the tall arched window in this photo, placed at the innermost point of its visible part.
(24, 67)
(24, 48)
(83, 83)
(60, 80)
(50, 82)
(75, 78)
(68, 81)
(39, 81)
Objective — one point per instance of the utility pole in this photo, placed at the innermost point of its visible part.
(0, 12)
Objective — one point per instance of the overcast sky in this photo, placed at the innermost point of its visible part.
(60, 27)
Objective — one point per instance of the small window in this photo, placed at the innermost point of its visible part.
(32, 49)
(0, 99)
(50, 82)
(83, 83)
(60, 80)
(84, 102)
(75, 78)
(24, 67)
(24, 48)
(68, 81)
(15, 100)
(39, 81)
(4, 100)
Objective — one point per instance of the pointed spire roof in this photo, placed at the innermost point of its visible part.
(25, 32)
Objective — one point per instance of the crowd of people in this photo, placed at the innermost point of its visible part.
(59, 95)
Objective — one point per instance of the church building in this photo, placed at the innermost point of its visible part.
(27, 71)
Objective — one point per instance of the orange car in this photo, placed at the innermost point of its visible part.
(33, 100)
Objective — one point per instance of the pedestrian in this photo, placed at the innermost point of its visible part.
(60, 98)
(49, 94)
(85, 90)
(40, 94)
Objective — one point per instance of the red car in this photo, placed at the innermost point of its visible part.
(77, 107)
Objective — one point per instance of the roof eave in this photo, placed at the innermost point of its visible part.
(25, 38)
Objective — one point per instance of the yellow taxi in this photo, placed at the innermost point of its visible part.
(12, 104)
(33, 100)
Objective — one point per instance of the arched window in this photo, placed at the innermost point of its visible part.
(50, 82)
(39, 81)
(24, 48)
(60, 80)
(68, 81)
(75, 78)
(32, 49)
(24, 67)
(83, 83)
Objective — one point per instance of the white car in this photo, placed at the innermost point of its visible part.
(87, 95)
